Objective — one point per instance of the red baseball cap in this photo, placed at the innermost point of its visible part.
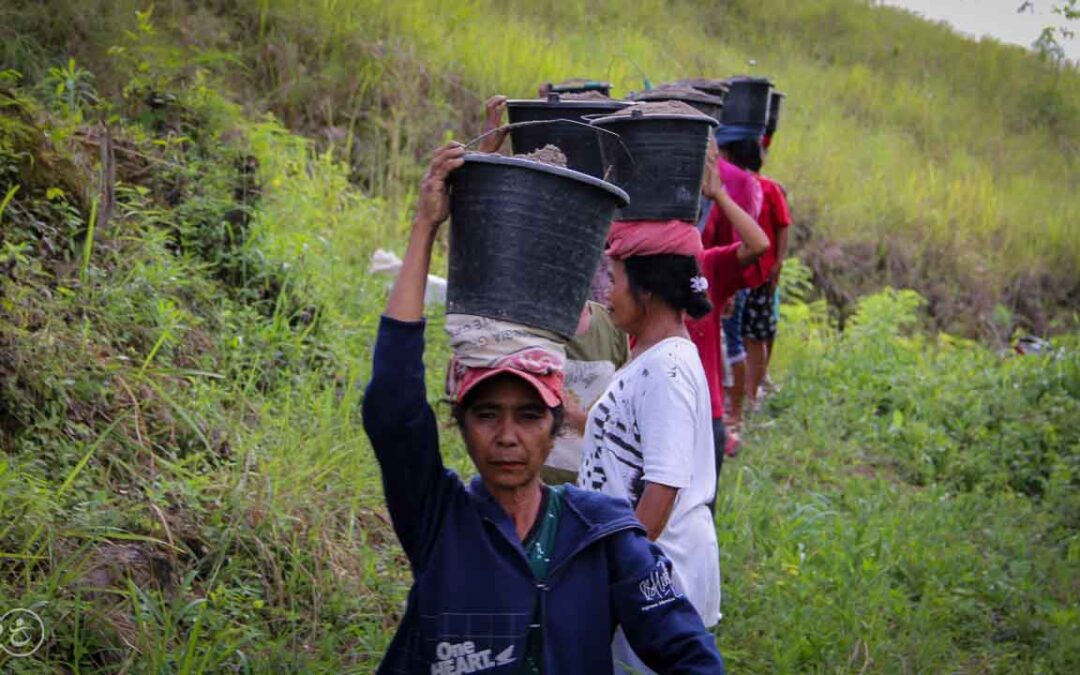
(548, 385)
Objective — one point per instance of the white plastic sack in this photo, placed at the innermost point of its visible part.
(385, 262)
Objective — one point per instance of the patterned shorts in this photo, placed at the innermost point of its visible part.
(759, 320)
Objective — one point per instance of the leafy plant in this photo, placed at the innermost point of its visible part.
(71, 88)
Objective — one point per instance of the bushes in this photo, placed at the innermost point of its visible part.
(909, 504)
(960, 415)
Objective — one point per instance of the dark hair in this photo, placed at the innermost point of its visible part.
(745, 154)
(668, 276)
(458, 410)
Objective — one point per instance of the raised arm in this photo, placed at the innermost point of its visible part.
(754, 240)
(494, 111)
(397, 418)
(407, 297)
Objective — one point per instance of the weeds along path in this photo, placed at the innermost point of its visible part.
(186, 323)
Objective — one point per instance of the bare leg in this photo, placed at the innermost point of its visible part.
(736, 393)
(765, 381)
(757, 359)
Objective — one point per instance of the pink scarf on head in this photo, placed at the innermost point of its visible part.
(652, 237)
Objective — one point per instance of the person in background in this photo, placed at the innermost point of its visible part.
(728, 269)
(759, 318)
(744, 190)
(781, 215)
(592, 357)
(649, 438)
(508, 574)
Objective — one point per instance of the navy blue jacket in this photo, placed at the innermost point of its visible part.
(473, 594)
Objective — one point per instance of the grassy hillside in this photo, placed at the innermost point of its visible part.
(914, 157)
(186, 324)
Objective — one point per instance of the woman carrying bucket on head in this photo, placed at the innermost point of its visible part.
(762, 309)
(723, 232)
(729, 269)
(650, 434)
(649, 437)
(726, 272)
(743, 123)
(509, 575)
(598, 348)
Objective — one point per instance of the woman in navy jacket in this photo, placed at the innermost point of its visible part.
(477, 603)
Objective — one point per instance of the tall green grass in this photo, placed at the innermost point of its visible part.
(953, 158)
(895, 130)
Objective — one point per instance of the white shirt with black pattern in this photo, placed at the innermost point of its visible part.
(654, 424)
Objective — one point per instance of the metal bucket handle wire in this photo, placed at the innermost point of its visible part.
(507, 127)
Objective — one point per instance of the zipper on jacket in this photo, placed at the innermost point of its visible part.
(542, 589)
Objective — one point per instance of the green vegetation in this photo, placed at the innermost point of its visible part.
(908, 504)
(185, 325)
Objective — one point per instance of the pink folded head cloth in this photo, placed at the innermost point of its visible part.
(630, 238)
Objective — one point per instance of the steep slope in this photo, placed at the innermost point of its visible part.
(914, 157)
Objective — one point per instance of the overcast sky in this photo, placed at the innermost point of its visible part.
(997, 18)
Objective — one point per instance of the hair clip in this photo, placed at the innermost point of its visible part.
(699, 284)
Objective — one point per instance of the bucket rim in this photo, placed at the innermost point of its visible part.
(700, 117)
(716, 93)
(749, 79)
(612, 104)
(703, 83)
(611, 188)
(657, 94)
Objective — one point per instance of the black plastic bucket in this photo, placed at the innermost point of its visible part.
(747, 101)
(775, 103)
(659, 160)
(525, 240)
(704, 103)
(577, 142)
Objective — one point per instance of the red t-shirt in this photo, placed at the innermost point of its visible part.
(720, 265)
(774, 217)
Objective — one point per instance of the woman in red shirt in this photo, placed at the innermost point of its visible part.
(728, 268)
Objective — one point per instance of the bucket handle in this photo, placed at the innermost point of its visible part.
(529, 123)
(595, 116)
